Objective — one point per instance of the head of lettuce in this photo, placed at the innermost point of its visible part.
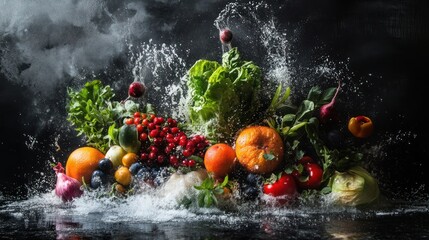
(354, 187)
(223, 97)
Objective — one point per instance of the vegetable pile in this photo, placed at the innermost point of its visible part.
(232, 149)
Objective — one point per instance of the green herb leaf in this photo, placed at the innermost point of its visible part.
(314, 94)
(326, 190)
(299, 154)
(269, 156)
(326, 96)
(208, 191)
(297, 127)
(218, 191)
(289, 170)
(196, 158)
(305, 111)
(288, 117)
(278, 101)
(299, 168)
(272, 179)
(225, 182)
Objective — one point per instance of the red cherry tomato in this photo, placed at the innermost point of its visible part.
(137, 114)
(129, 121)
(285, 185)
(310, 178)
(137, 120)
(140, 128)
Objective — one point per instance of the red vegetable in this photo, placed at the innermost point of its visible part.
(225, 36)
(305, 160)
(284, 186)
(310, 178)
(136, 89)
(327, 111)
(66, 188)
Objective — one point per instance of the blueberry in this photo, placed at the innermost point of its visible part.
(161, 176)
(135, 167)
(143, 174)
(250, 192)
(105, 165)
(154, 172)
(98, 179)
(253, 179)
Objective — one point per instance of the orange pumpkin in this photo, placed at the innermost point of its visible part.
(259, 149)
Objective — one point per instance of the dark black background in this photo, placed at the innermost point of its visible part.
(386, 44)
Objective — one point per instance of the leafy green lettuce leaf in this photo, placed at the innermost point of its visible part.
(223, 98)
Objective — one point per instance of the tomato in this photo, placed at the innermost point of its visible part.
(129, 121)
(137, 114)
(137, 120)
(285, 185)
(140, 128)
(310, 177)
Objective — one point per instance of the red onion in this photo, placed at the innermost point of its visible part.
(327, 111)
(66, 188)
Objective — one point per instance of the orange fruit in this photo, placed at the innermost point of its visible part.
(219, 159)
(120, 189)
(123, 176)
(259, 149)
(129, 158)
(82, 162)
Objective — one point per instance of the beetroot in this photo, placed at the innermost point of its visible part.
(225, 36)
(66, 188)
(327, 111)
(136, 89)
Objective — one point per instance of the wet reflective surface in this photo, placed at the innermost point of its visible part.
(44, 217)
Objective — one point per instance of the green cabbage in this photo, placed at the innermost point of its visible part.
(354, 187)
(223, 98)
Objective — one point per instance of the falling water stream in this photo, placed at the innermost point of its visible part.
(151, 215)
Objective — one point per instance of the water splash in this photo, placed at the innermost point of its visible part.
(30, 142)
(161, 68)
(256, 22)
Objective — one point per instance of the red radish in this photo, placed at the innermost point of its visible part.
(327, 111)
(225, 36)
(136, 89)
(66, 188)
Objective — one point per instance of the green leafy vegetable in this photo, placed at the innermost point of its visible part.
(354, 187)
(208, 191)
(299, 125)
(223, 98)
(93, 113)
(278, 101)
(320, 97)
